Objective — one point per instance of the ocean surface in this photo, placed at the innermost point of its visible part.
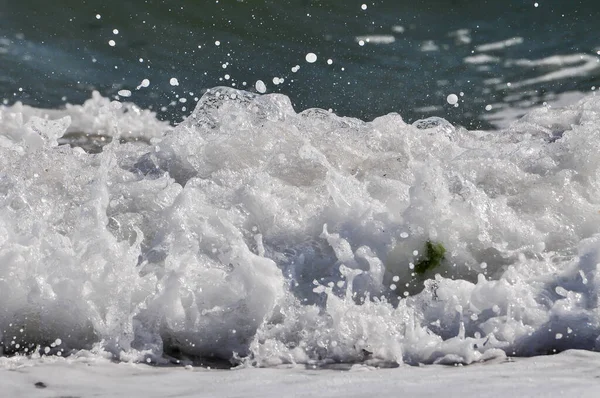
(510, 55)
(369, 196)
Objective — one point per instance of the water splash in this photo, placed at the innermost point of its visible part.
(253, 232)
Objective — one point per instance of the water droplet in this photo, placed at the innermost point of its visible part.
(452, 99)
(260, 86)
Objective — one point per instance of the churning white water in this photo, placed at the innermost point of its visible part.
(254, 233)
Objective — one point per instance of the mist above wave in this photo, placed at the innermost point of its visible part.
(252, 231)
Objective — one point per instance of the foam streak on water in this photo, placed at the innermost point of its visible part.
(251, 231)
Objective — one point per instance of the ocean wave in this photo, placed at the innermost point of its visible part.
(256, 234)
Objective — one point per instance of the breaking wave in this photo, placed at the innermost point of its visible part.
(254, 233)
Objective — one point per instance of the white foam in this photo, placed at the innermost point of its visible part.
(252, 231)
(429, 46)
(499, 45)
(568, 66)
(461, 36)
(537, 377)
(95, 117)
(375, 39)
(504, 115)
(481, 59)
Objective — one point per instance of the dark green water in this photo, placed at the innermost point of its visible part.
(418, 53)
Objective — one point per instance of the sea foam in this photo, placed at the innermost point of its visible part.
(257, 234)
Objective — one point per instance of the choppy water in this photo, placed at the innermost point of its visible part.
(415, 54)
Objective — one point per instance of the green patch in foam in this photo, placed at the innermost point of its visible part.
(434, 255)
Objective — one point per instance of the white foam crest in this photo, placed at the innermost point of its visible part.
(98, 116)
(252, 231)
